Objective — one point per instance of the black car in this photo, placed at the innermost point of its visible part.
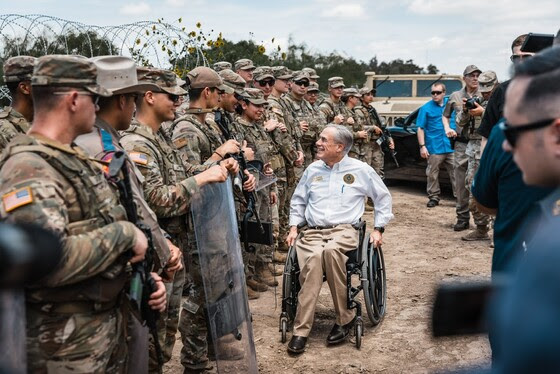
(412, 167)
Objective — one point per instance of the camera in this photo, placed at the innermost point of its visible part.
(471, 102)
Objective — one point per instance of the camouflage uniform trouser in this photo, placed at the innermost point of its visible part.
(374, 157)
(308, 153)
(263, 253)
(473, 152)
(280, 224)
(76, 343)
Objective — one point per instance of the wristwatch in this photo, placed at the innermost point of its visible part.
(380, 229)
(422, 145)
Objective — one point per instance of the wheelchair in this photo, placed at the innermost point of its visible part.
(365, 262)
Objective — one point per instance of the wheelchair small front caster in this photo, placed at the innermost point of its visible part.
(284, 328)
(359, 331)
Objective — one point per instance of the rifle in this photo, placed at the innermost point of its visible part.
(249, 197)
(141, 276)
(383, 140)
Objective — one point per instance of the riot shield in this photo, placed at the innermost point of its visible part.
(224, 279)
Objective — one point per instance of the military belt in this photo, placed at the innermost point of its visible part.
(74, 307)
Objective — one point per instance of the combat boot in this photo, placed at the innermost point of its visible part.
(256, 285)
(279, 257)
(276, 270)
(481, 233)
(228, 351)
(252, 294)
(265, 275)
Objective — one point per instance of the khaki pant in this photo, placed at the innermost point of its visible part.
(432, 172)
(460, 166)
(323, 251)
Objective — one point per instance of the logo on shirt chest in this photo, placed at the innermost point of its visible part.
(317, 178)
(348, 178)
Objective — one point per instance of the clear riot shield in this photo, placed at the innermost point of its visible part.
(221, 265)
(13, 355)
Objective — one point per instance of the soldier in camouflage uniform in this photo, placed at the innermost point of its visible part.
(487, 82)
(245, 68)
(221, 65)
(252, 109)
(312, 95)
(15, 120)
(168, 188)
(313, 80)
(332, 106)
(373, 154)
(355, 123)
(75, 315)
(311, 121)
(118, 75)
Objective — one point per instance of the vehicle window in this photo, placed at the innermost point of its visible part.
(424, 87)
(393, 88)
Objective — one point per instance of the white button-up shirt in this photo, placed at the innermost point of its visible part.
(325, 196)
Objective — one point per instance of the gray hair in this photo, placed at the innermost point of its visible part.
(342, 136)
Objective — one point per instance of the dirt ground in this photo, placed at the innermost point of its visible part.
(421, 249)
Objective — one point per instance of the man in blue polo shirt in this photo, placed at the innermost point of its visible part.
(434, 143)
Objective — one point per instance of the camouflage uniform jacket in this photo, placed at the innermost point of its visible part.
(101, 143)
(280, 111)
(59, 187)
(197, 141)
(366, 117)
(359, 125)
(12, 123)
(167, 189)
(223, 128)
(303, 111)
(331, 109)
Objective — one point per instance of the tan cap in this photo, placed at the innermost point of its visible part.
(487, 81)
(67, 71)
(299, 75)
(221, 65)
(262, 72)
(313, 87)
(282, 72)
(233, 80)
(165, 80)
(351, 91)
(118, 75)
(244, 64)
(470, 69)
(365, 90)
(312, 73)
(335, 82)
(202, 76)
(19, 68)
(254, 95)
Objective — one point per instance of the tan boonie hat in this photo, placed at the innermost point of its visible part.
(221, 65)
(233, 80)
(313, 87)
(67, 71)
(471, 69)
(202, 76)
(299, 75)
(365, 90)
(282, 72)
(255, 96)
(351, 92)
(487, 81)
(312, 73)
(262, 72)
(244, 64)
(335, 82)
(19, 68)
(165, 80)
(118, 75)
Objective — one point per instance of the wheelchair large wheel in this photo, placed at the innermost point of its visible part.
(290, 285)
(374, 281)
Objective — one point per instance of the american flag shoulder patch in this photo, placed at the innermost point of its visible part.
(139, 158)
(17, 198)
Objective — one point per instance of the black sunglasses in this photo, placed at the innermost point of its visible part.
(269, 82)
(437, 92)
(174, 98)
(514, 58)
(512, 132)
(302, 83)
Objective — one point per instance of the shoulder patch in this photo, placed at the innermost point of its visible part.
(180, 143)
(277, 111)
(139, 158)
(17, 198)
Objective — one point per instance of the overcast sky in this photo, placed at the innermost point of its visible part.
(447, 33)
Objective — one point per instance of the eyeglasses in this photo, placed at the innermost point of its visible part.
(515, 58)
(94, 97)
(437, 92)
(512, 132)
(269, 82)
(174, 98)
(302, 83)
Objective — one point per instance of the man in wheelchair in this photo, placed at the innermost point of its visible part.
(329, 200)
